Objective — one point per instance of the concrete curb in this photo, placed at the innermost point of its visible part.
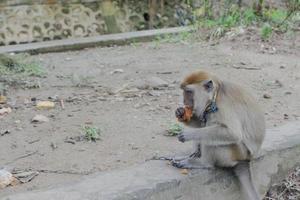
(155, 180)
(102, 40)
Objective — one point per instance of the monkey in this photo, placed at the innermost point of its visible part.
(227, 125)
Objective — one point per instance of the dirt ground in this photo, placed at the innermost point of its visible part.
(132, 118)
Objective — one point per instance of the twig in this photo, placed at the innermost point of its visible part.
(62, 104)
(49, 171)
(63, 172)
(247, 68)
(160, 158)
(23, 156)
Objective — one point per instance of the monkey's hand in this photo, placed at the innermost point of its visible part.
(181, 138)
(179, 113)
(184, 137)
(184, 114)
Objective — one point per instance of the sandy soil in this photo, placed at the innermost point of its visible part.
(133, 120)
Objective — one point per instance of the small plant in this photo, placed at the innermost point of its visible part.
(91, 133)
(249, 17)
(174, 129)
(266, 32)
(19, 65)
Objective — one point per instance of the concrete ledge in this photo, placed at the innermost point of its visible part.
(155, 180)
(80, 43)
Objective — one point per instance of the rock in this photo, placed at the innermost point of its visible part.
(152, 83)
(25, 176)
(39, 119)
(288, 93)
(4, 111)
(286, 116)
(45, 105)
(282, 66)
(117, 71)
(154, 93)
(267, 96)
(53, 145)
(4, 132)
(6, 178)
(278, 83)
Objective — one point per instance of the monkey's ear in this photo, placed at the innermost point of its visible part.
(208, 85)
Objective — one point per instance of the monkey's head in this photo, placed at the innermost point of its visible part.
(199, 90)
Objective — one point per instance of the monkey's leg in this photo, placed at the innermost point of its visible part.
(216, 135)
(192, 163)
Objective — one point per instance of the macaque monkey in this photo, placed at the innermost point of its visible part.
(226, 124)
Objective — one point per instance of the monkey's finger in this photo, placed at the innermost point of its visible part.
(179, 113)
(181, 138)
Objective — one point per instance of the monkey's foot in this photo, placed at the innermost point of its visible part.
(185, 164)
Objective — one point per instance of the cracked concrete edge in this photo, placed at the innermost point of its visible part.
(155, 180)
(102, 40)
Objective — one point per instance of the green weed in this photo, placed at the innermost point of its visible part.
(174, 129)
(20, 65)
(91, 133)
(266, 31)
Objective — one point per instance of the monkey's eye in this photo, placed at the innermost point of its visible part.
(188, 91)
(208, 85)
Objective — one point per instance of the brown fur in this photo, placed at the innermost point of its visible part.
(237, 154)
(195, 77)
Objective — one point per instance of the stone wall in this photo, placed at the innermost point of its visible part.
(23, 21)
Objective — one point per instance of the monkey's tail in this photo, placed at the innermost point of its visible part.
(243, 172)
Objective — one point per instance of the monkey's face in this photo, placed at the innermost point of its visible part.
(198, 95)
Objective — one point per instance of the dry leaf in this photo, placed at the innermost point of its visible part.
(184, 171)
(45, 105)
(3, 99)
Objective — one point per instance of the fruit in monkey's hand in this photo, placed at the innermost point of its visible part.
(184, 114)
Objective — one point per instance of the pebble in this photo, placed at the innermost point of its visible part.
(39, 119)
(267, 96)
(117, 71)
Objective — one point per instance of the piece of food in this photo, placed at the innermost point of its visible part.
(188, 113)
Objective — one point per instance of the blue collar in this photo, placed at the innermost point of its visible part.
(211, 108)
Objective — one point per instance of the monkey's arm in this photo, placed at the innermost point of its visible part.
(216, 135)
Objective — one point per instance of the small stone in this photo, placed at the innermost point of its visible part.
(277, 82)
(39, 119)
(286, 116)
(117, 71)
(288, 93)
(4, 132)
(267, 96)
(53, 145)
(152, 83)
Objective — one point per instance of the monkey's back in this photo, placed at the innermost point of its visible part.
(241, 113)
